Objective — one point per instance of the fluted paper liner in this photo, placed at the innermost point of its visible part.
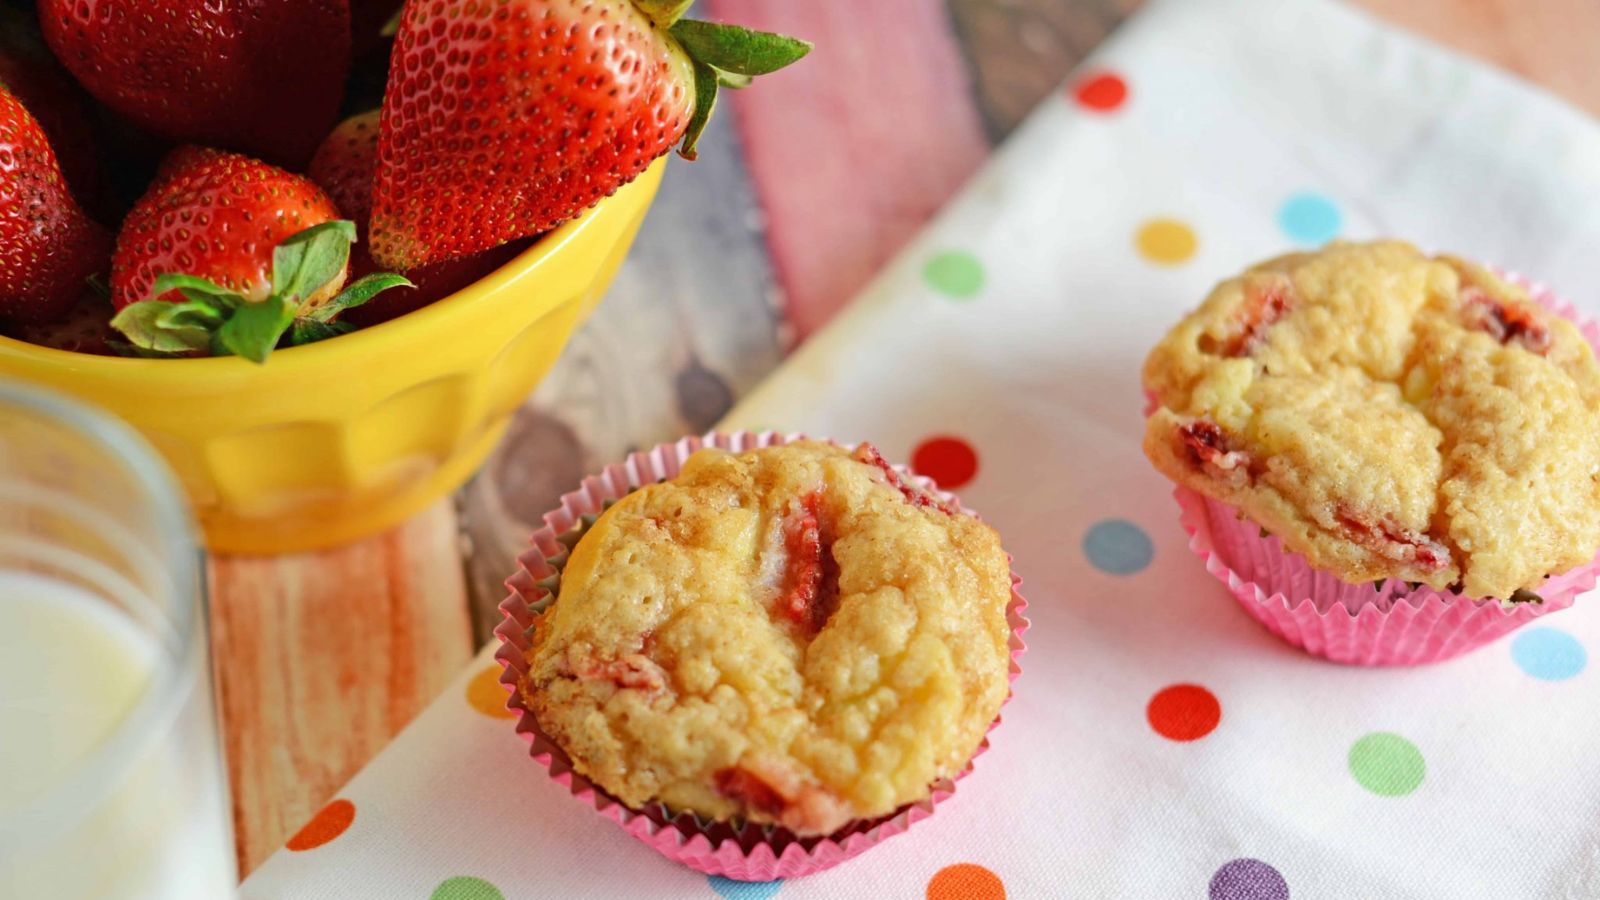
(1385, 624)
(741, 851)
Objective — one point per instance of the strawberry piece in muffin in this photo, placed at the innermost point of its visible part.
(1507, 323)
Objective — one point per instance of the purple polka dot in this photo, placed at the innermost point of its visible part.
(1248, 879)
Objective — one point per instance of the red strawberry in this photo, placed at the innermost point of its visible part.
(50, 246)
(217, 216)
(225, 252)
(504, 120)
(86, 328)
(180, 160)
(263, 77)
(56, 101)
(344, 166)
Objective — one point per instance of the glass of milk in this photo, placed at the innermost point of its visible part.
(111, 776)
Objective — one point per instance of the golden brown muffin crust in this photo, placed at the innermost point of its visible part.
(789, 635)
(1388, 415)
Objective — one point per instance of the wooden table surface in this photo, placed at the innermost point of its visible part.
(739, 260)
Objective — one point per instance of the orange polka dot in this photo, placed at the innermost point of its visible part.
(1101, 92)
(326, 825)
(487, 695)
(965, 881)
(1184, 712)
(949, 461)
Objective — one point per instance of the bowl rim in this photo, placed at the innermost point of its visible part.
(414, 324)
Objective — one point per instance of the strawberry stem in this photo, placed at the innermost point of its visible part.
(663, 12)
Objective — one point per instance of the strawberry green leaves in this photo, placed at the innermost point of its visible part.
(705, 102)
(309, 259)
(354, 295)
(217, 320)
(177, 327)
(309, 331)
(738, 50)
(723, 56)
(320, 324)
(254, 328)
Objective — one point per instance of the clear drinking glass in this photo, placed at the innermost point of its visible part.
(111, 776)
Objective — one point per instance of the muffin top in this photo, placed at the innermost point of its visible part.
(792, 635)
(1388, 415)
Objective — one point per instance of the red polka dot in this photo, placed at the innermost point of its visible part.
(949, 461)
(1102, 92)
(324, 826)
(1184, 712)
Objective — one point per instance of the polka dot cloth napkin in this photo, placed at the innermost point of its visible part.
(1161, 744)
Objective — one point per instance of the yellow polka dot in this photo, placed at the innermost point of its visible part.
(1165, 242)
(487, 695)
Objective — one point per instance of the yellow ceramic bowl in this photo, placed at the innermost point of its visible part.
(333, 441)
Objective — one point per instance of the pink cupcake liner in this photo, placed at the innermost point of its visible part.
(740, 851)
(1391, 624)
(1387, 624)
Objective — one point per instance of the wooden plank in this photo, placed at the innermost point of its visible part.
(322, 657)
(688, 325)
(855, 147)
(1550, 42)
(1021, 50)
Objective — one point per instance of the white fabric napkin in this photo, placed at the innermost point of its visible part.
(1017, 323)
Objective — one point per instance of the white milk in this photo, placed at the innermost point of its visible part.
(72, 668)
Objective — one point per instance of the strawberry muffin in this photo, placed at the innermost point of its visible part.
(1388, 415)
(790, 636)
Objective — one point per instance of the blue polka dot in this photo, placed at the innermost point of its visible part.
(1310, 219)
(1548, 654)
(729, 889)
(1118, 547)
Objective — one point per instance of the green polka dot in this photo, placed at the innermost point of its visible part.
(1387, 764)
(466, 888)
(954, 273)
